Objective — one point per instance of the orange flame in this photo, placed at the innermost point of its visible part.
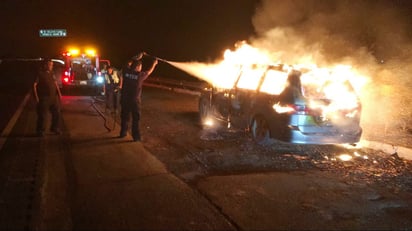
(245, 67)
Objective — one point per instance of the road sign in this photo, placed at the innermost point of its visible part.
(52, 33)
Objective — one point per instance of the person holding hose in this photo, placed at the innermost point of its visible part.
(132, 83)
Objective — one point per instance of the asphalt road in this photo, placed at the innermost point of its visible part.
(16, 79)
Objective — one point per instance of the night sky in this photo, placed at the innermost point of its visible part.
(177, 30)
(200, 30)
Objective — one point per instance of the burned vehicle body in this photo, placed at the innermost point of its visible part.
(283, 107)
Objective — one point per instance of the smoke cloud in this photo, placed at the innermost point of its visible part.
(373, 36)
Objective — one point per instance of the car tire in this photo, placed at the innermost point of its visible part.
(260, 130)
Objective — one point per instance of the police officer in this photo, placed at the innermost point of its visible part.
(47, 95)
(132, 83)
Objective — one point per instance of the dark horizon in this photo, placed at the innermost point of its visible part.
(201, 30)
(182, 30)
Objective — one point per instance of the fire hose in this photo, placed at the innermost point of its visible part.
(155, 57)
(93, 104)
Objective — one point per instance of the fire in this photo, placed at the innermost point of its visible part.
(246, 66)
(282, 109)
(245, 55)
(345, 157)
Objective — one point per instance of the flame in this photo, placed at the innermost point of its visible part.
(345, 157)
(245, 55)
(247, 68)
(282, 109)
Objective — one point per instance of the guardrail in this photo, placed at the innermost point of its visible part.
(190, 87)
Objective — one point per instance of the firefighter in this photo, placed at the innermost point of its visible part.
(47, 95)
(132, 83)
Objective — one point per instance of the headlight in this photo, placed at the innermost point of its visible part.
(99, 79)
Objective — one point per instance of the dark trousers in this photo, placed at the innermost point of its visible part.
(112, 98)
(44, 106)
(130, 108)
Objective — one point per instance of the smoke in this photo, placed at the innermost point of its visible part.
(337, 29)
(370, 35)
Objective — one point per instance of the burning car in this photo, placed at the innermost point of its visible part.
(291, 105)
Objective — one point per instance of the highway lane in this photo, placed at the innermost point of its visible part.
(16, 79)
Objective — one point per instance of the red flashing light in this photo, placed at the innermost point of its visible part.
(67, 54)
(66, 77)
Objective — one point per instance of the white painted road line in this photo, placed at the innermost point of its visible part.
(6, 131)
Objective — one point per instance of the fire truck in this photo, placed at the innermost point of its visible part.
(82, 70)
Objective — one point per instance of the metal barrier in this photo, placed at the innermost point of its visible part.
(179, 84)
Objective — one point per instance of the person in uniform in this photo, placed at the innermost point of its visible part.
(130, 101)
(47, 95)
(128, 65)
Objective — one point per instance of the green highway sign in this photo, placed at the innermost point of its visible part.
(53, 33)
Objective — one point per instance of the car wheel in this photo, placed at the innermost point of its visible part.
(260, 130)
